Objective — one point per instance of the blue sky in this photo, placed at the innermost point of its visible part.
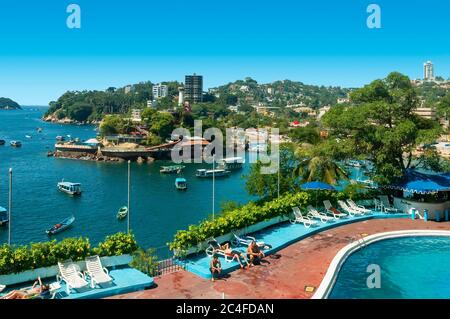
(124, 42)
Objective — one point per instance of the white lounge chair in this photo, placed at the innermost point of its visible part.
(299, 218)
(215, 248)
(71, 275)
(386, 206)
(314, 213)
(378, 205)
(355, 206)
(333, 211)
(348, 209)
(246, 241)
(98, 274)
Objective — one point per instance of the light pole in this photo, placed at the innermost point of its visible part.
(129, 195)
(214, 186)
(10, 205)
(278, 180)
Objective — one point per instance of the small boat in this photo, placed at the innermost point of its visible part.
(39, 130)
(353, 163)
(4, 218)
(210, 173)
(65, 224)
(172, 169)
(231, 163)
(16, 143)
(28, 136)
(367, 182)
(60, 138)
(70, 188)
(2, 142)
(181, 184)
(122, 213)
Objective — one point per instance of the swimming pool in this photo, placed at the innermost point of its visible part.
(411, 267)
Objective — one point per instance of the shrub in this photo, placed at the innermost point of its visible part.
(76, 249)
(244, 216)
(38, 255)
(117, 244)
(145, 261)
(252, 213)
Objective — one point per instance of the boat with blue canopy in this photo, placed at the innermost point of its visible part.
(70, 188)
(4, 218)
(181, 184)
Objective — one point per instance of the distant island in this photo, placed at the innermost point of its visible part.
(8, 104)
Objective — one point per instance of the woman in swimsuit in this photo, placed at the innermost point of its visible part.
(37, 289)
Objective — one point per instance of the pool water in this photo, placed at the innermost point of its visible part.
(411, 267)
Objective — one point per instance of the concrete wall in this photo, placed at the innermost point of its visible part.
(435, 210)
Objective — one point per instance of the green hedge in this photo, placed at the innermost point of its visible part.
(37, 255)
(251, 214)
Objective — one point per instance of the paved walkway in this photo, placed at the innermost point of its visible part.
(286, 274)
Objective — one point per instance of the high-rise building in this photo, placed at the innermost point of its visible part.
(428, 71)
(193, 88)
(160, 90)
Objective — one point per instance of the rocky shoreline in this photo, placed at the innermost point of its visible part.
(96, 157)
(53, 119)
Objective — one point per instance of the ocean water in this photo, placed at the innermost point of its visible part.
(414, 267)
(158, 210)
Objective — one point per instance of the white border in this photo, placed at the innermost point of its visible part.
(335, 266)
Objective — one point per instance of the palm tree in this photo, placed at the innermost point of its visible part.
(320, 168)
(314, 166)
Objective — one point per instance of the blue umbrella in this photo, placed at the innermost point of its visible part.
(317, 186)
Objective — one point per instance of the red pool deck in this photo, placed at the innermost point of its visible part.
(287, 273)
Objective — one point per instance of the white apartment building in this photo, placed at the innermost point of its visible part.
(160, 90)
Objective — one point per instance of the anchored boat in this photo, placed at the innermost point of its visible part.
(122, 213)
(210, 173)
(70, 188)
(16, 143)
(2, 142)
(172, 169)
(4, 218)
(231, 163)
(65, 224)
(181, 184)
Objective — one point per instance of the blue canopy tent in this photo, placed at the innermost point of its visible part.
(421, 183)
(317, 186)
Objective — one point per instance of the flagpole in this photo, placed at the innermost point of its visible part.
(10, 206)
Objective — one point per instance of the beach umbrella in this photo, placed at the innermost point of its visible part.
(317, 186)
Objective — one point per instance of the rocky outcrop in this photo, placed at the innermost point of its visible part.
(52, 118)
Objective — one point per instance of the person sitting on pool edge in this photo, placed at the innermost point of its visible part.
(38, 289)
(215, 266)
(234, 254)
(254, 253)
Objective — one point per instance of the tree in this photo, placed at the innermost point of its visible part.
(380, 125)
(80, 111)
(266, 185)
(308, 134)
(112, 124)
(162, 124)
(319, 162)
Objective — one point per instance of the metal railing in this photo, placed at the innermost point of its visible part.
(167, 263)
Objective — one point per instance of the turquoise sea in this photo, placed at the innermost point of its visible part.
(158, 210)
